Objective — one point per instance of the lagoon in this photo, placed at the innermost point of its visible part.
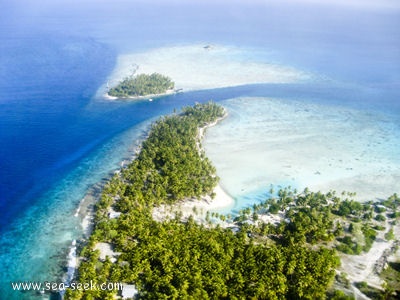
(59, 139)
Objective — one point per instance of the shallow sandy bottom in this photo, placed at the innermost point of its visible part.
(268, 142)
(196, 67)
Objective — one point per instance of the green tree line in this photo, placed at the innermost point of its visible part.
(142, 85)
(176, 259)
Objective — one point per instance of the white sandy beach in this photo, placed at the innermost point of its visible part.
(267, 142)
(275, 142)
(271, 142)
(197, 67)
(196, 208)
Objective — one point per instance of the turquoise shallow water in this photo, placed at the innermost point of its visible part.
(273, 142)
(57, 141)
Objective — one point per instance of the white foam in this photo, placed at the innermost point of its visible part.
(86, 224)
(78, 209)
(72, 262)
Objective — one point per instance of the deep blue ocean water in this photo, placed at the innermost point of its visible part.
(57, 141)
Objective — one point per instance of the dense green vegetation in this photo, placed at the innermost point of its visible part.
(385, 293)
(391, 275)
(347, 225)
(142, 85)
(178, 258)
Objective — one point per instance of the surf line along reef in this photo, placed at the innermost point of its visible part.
(169, 254)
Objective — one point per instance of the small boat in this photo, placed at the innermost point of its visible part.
(150, 99)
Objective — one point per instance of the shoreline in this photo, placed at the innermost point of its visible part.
(86, 208)
(133, 98)
(85, 212)
(198, 67)
(272, 142)
(198, 209)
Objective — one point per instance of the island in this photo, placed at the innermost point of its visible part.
(142, 85)
(289, 246)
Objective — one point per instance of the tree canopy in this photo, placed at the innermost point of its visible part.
(182, 259)
(142, 85)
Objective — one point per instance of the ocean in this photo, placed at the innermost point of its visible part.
(58, 140)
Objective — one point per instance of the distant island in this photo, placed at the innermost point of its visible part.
(142, 85)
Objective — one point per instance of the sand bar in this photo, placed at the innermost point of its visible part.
(197, 67)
